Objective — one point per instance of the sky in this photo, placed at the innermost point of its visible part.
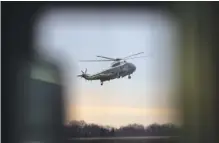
(68, 36)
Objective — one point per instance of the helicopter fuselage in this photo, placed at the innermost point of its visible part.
(119, 68)
(122, 69)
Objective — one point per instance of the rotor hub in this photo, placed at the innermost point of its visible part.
(118, 59)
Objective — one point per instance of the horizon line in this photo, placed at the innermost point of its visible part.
(111, 126)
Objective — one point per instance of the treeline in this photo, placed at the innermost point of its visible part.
(82, 129)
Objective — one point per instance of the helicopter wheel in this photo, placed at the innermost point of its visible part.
(101, 83)
(118, 76)
(129, 77)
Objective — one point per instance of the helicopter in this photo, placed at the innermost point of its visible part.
(118, 69)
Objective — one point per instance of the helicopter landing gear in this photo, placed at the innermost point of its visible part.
(101, 83)
(129, 77)
(118, 76)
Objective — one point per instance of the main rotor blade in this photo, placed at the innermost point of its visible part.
(106, 58)
(95, 60)
(133, 55)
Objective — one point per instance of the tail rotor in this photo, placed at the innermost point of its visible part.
(83, 73)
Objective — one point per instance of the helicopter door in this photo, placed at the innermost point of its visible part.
(121, 70)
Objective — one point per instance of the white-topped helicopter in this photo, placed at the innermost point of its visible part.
(119, 68)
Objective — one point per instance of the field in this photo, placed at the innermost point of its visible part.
(125, 140)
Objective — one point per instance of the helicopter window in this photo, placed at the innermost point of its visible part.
(115, 64)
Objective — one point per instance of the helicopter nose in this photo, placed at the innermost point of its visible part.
(133, 67)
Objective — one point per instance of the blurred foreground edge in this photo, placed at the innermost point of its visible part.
(41, 107)
(199, 69)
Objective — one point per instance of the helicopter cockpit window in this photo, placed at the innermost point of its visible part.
(115, 64)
